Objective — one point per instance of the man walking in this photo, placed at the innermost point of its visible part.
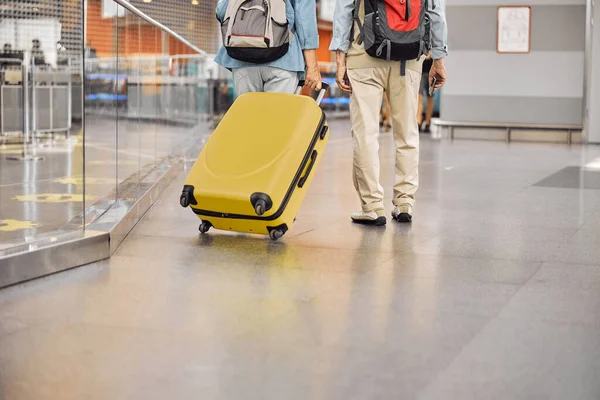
(269, 44)
(379, 47)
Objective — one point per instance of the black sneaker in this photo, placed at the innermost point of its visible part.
(402, 213)
(373, 218)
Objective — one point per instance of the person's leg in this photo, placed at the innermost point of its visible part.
(387, 122)
(279, 80)
(404, 95)
(365, 103)
(429, 112)
(246, 80)
(420, 110)
(423, 92)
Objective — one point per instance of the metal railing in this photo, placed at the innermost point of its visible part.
(133, 9)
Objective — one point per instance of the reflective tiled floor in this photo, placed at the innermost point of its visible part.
(43, 196)
(492, 293)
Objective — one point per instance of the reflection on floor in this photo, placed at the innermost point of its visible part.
(492, 293)
(43, 196)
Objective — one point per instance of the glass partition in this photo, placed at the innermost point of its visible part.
(94, 100)
(41, 151)
(152, 111)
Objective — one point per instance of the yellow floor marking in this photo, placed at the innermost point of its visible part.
(89, 180)
(10, 225)
(53, 198)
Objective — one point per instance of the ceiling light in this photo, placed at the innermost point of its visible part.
(195, 2)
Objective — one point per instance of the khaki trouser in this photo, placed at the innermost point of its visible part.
(368, 85)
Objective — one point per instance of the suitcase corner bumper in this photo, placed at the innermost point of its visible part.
(187, 197)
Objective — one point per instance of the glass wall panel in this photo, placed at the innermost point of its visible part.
(105, 97)
(96, 103)
(41, 142)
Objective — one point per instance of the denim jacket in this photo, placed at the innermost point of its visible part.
(301, 14)
(344, 19)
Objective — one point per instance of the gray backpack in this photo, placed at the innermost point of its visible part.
(256, 31)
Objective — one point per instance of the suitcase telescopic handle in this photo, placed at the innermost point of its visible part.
(322, 93)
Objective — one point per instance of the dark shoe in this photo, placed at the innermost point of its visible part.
(373, 218)
(402, 213)
(427, 129)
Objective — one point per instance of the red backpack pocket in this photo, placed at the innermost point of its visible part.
(403, 15)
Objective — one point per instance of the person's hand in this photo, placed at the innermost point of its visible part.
(341, 76)
(438, 71)
(313, 78)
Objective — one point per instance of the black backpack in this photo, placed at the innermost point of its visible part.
(394, 30)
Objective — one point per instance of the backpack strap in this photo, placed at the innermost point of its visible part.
(356, 19)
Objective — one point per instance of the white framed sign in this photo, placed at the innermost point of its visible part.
(110, 9)
(326, 9)
(514, 29)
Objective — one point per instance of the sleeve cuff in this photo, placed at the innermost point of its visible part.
(339, 44)
(439, 52)
(310, 43)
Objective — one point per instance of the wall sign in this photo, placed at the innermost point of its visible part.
(326, 9)
(514, 29)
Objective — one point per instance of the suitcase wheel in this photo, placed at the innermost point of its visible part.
(260, 207)
(187, 197)
(261, 203)
(183, 200)
(205, 227)
(276, 234)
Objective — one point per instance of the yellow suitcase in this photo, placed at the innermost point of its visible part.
(254, 171)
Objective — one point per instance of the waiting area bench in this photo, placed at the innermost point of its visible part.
(508, 127)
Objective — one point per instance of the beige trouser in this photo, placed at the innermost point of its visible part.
(368, 85)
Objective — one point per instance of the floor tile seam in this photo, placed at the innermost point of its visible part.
(463, 348)
(449, 232)
(521, 223)
(465, 257)
(483, 282)
(541, 263)
(577, 230)
(334, 221)
(360, 249)
(551, 264)
(554, 321)
(483, 258)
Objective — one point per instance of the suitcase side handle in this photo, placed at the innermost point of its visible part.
(313, 160)
(322, 93)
